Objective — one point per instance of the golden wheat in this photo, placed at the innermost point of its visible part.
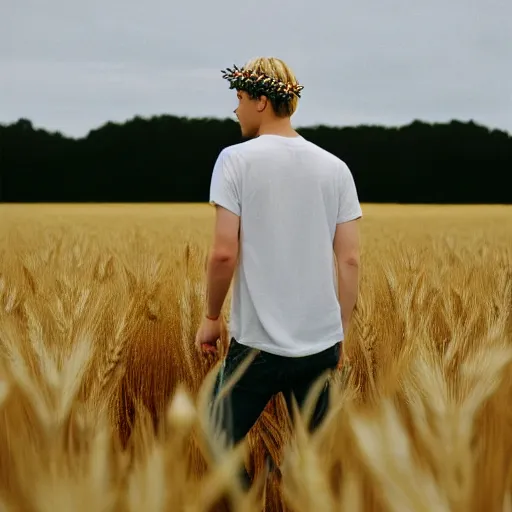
(103, 399)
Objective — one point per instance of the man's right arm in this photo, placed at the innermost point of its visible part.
(347, 253)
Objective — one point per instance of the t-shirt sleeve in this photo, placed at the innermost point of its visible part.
(348, 206)
(224, 187)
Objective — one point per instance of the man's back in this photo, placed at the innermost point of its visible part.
(290, 194)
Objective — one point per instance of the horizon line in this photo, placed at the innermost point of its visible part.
(228, 119)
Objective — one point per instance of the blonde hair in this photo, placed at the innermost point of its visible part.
(278, 69)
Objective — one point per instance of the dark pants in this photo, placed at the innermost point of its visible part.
(267, 375)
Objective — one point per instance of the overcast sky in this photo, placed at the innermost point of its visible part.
(73, 65)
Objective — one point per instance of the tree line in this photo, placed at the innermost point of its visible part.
(170, 159)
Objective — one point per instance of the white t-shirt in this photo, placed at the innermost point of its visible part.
(289, 194)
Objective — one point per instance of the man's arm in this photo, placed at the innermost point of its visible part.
(222, 260)
(346, 250)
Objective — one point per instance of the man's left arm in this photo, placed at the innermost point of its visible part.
(223, 256)
(222, 259)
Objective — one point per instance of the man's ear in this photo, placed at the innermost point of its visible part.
(262, 103)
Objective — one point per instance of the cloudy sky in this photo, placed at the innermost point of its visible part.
(73, 65)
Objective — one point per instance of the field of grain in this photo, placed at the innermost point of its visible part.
(102, 395)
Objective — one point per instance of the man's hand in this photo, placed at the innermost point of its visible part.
(208, 335)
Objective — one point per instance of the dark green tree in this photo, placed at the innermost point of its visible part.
(170, 159)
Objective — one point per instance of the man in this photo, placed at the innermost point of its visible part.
(286, 213)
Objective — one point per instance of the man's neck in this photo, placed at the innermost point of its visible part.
(281, 127)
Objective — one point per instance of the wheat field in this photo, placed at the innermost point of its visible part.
(103, 397)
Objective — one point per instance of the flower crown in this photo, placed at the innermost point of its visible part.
(261, 84)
